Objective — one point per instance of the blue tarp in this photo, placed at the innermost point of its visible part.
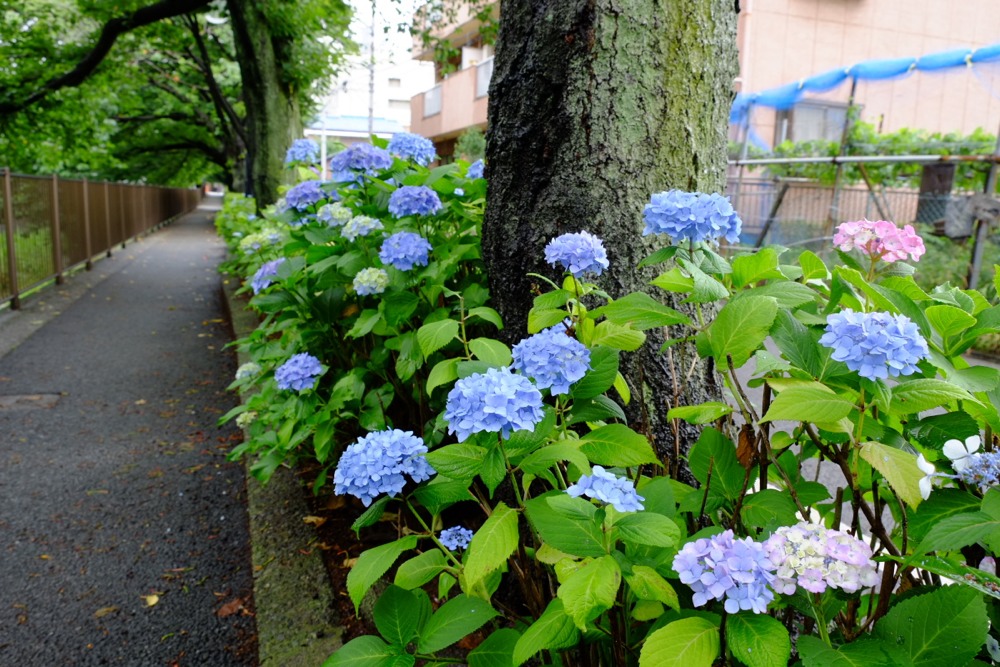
(785, 97)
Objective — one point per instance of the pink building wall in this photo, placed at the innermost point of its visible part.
(781, 41)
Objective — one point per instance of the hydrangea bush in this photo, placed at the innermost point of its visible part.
(537, 526)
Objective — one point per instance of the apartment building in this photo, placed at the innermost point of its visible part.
(783, 41)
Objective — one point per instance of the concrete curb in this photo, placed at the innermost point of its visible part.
(295, 603)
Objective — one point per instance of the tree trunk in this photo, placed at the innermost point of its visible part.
(273, 117)
(595, 105)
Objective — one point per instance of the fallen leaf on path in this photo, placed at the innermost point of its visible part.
(230, 608)
(316, 521)
(151, 600)
(104, 611)
(141, 401)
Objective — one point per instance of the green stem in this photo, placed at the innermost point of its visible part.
(510, 472)
(430, 533)
(817, 607)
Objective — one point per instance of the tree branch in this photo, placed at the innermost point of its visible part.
(110, 33)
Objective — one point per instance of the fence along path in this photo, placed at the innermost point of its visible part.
(52, 225)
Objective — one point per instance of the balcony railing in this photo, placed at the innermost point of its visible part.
(432, 101)
(484, 72)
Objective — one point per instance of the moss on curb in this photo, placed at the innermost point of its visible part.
(296, 618)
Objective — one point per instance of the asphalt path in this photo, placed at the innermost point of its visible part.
(123, 530)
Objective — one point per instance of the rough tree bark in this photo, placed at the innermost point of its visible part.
(273, 117)
(594, 105)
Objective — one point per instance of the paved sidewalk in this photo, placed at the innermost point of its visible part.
(123, 530)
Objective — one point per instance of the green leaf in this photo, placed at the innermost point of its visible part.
(372, 564)
(544, 458)
(689, 642)
(973, 577)
(618, 337)
(813, 268)
(977, 378)
(641, 311)
(570, 527)
(364, 651)
(713, 462)
(553, 630)
(939, 629)
(673, 280)
(494, 469)
(935, 430)
(703, 413)
(497, 650)
(647, 584)
(949, 320)
(439, 494)
(864, 653)
(396, 615)
(458, 617)
(662, 255)
(365, 323)
(954, 532)
(942, 504)
(600, 377)
(617, 445)
(768, 507)
(740, 328)
(924, 394)
(491, 351)
(491, 545)
(899, 469)
(459, 462)
(487, 314)
(707, 289)
(787, 294)
(397, 307)
(443, 372)
(435, 335)
(813, 402)
(420, 569)
(654, 530)
(758, 640)
(598, 408)
(762, 265)
(590, 590)
(371, 515)
(543, 318)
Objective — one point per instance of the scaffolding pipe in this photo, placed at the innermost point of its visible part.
(848, 159)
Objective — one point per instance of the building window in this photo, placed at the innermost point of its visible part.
(395, 83)
(399, 105)
(809, 121)
(432, 101)
(484, 72)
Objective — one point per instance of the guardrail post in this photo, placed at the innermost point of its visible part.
(8, 216)
(86, 225)
(107, 217)
(57, 256)
(121, 210)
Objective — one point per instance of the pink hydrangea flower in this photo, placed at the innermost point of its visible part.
(879, 239)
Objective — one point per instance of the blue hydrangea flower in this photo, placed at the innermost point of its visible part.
(362, 158)
(262, 278)
(982, 471)
(495, 401)
(360, 225)
(475, 170)
(299, 372)
(334, 215)
(552, 358)
(875, 345)
(691, 216)
(602, 485)
(404, 250)
(304, 195)
(455, 538)
(577, 253)
(371, 281)
(722, 567)
(377, 463)
(414, 200)
(413, 147)
(303, 150)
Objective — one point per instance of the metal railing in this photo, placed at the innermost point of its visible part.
(52, 225)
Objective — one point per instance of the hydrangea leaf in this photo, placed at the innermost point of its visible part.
(456, 618)
(544, 458)
(619, 446)
(441, 492)
(641, 311)
(371, 515)
(960, 530)
(435, 335)
(590, 590)
(899, 469)
(647, 528)
(491, 545)
(497, 650)
(395, 617)
(924, 394)
(703, 413)
(364, 651)
(813, 268)
(758, 640)
(713, 463)
(740, 328)
(543, 318)
(689, 642)
(813, 402)
(617, 336)
(443, 372)
(973, 577)
(487, 314)
(942, 504)
(553, 630)
(761, 265)
(372, 564)
(420, 569)
(647, 584)
(600, 377)
(949, 320)
(491, 351)
(707, 289)
(864, 653)
(938, 629)
(673, 280)
(598, 408)
(458, 462)
(567, 524)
